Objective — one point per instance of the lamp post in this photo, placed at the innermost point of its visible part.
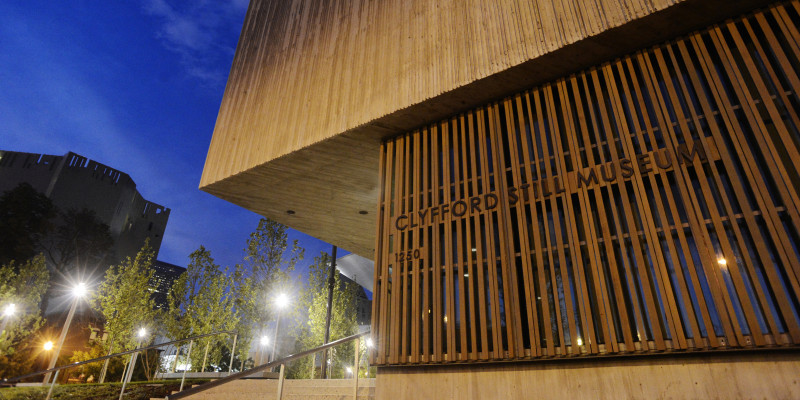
(78, 292)
(48, 345)
(281, 302)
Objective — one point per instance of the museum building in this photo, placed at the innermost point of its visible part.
(563, 197)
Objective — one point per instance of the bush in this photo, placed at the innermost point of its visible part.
(105, 391)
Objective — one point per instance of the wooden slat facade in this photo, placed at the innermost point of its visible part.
(645, 205)
(316, 85)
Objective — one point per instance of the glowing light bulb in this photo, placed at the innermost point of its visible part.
(282, 300)
(48, 345)
(79, 290)
(10, 310)
(264, 340)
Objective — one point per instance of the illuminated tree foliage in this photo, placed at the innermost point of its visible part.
(314, 301)
(204, 300)
(269, 259)
(125, 302)
(24, 285)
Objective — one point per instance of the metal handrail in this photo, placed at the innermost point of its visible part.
(239, 375)
(21, 377)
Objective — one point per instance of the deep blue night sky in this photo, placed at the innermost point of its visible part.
(135, 85)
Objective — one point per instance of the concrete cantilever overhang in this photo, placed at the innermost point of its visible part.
(316, 85)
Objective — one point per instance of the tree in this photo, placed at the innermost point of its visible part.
(96, 350)
(203, 300)
(25, 219)
(24, 286)
(314, 301)
(80, 241)
(265, 254)
(125, 302)
(269, 259)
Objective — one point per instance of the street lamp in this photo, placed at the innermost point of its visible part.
(281, 302)
(264, 344)
(78, 292)
(48, 345)
(9, 310)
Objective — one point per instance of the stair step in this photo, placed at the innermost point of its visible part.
(325, 396)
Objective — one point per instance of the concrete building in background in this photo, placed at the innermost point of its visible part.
(73, 181)
(164, 276)
(564, 199)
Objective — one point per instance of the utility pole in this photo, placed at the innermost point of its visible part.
(331, 282)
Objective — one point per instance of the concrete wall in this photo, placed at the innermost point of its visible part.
(699, 376)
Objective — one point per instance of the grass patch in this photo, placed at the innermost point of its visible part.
(97, 391)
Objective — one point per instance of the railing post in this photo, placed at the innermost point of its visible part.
(313, 365)
(125, 370)
(105, 364)
(205, 357)
(177, 354)
(185, 367)
(126, 379)
(280, 383)
(233, 351)
(103, 372)
(356, 362)
(50, 391)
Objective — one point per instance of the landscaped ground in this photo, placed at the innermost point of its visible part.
(106, 391)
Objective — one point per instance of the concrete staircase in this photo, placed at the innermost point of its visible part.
(293, 389)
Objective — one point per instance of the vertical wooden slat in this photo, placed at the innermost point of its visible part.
(519, 136)
(541, 237)
(591, 334)
(480, 173)
(507, 258)
(585, 315)
(491, 266)
(469, 239)
(417, 264)
(436, 265)
(427, 261)
(395, 275)
(566, 201)
(447, 182)
(378, 313)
